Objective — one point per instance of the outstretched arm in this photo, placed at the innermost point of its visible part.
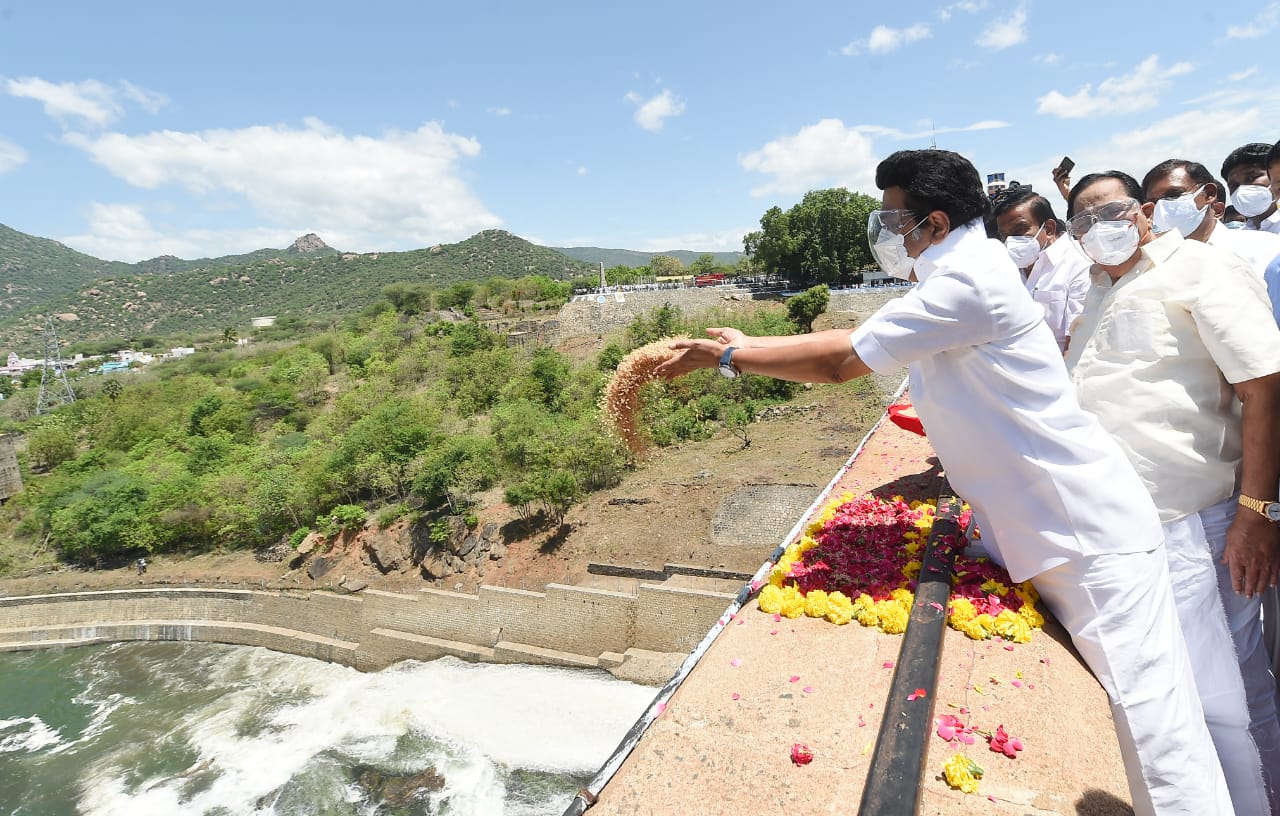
(826, 357)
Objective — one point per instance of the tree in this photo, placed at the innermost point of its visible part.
(704, 265)
(665, 266)
(230, 335)
(823, 239)
(805, 307)
(51, 444)
(112, 389)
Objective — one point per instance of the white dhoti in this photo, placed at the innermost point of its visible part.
(1120, 612)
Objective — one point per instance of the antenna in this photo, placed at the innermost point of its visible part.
(933, 136)
(55, 390)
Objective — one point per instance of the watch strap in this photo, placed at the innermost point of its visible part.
(1267, 509)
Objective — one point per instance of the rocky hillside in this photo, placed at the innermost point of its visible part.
(163, 296)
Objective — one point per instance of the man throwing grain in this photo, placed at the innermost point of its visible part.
(990, 385)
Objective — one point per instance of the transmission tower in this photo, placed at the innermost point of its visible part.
(55, 390)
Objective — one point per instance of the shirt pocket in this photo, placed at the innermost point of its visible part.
(1140, 329)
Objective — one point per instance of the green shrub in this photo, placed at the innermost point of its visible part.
(297, 536)
(341, 518)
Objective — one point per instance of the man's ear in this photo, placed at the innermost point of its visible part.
(1148, 209)
(941, 226)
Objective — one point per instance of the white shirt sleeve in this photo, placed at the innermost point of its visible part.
(943, 312)
(1077, 291)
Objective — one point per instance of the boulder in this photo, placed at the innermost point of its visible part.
(397, 791)
(498, 551)
(434, 566)
(458, 534)
(389, 551)
(319, 567)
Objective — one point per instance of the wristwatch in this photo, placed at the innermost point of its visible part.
(1269, 509)
(726, 363)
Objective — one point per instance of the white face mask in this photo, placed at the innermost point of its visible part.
(1111, 242)
(1179, 213)
(1252, 200)
(1024, 249)
(891, 253)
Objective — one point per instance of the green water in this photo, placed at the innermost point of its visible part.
(165, 728)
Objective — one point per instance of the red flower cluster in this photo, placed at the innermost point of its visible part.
(1002, 743)
(860, 549)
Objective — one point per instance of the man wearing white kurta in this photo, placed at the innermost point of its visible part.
(1066, 508)
(1055, 271)
(1173, 331)
(1183, 194)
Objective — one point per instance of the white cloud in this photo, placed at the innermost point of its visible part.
(1206, 135)
(500, 111)
(818, 155)
(582, 171)
(1245, 74)
(830, 153)
(11, 155)
(396, 190)
(717, 241)
(1259, 26)
(884, 39)
(1007, 32)
(122, 232)
(1051, 58)
(95, 103)
(653, 112)
(967, 6)
(1131, 92)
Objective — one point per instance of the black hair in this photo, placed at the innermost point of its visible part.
(936, 180)
(1131, 187)
(1195, 171)
(1273, 155)
(1254, 153)
(1041, 209)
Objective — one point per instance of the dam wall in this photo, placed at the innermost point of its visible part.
(640, 637)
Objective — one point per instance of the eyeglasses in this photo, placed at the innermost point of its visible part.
(1111, 211)
(896, 221)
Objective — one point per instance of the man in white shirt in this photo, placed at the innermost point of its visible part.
(1173, 333)
(1245, 171)
(1182, 194)
(1055, 272)
(1066, 508)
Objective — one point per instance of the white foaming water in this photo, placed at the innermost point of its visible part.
(479, 720)
(26, 734)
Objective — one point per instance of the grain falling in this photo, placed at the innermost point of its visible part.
(620, 404)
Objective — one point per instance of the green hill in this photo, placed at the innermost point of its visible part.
(629, 257)
(168, 295)
(34, 271)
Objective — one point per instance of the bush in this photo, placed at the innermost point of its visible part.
(342, 518)
(298, 536)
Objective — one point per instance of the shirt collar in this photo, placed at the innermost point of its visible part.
(956, 240)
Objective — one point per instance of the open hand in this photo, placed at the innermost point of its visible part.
(1252, 553)
(694, 354)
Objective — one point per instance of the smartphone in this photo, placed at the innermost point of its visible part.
(1065, 166)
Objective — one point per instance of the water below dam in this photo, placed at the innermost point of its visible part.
(197, 728)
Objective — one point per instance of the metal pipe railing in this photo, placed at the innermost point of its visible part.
(896, 776)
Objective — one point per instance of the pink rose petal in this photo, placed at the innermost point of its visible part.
(888, 664)
(735, 662)
(794, 678)
(735, 696)
(773, 631)
(807, 689)
(1009, 648)
(658, 709)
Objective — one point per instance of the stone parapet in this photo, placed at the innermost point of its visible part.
(565, 625)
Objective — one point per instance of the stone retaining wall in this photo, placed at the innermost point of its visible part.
(641, 637)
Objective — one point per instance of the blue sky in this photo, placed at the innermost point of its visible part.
(130, 130)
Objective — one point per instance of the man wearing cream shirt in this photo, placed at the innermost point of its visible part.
(1178, 357)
